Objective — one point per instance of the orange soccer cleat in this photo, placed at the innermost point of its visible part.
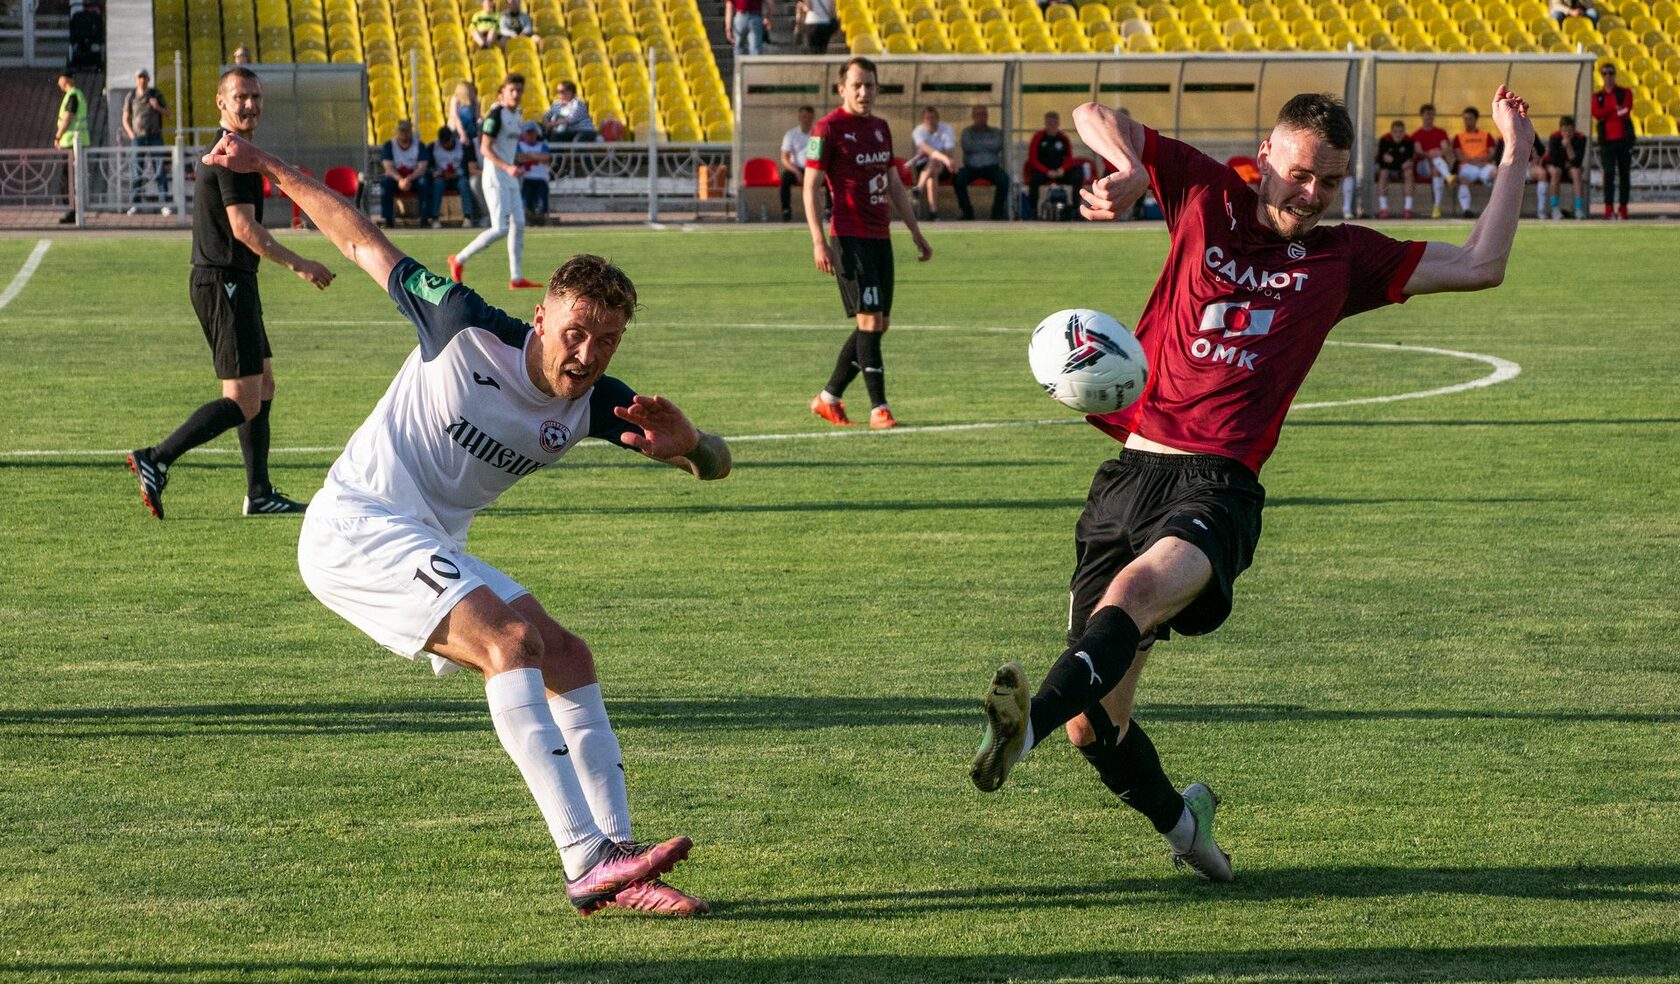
(881, 418)
(457, 269)
(834, 413)
(522, 284)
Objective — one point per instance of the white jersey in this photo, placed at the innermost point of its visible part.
(462, 421)
(503, 126)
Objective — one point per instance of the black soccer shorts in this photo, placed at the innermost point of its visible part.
(865, 275)
(230, 312)
(1140, 497)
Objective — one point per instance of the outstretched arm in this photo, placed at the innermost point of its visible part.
(352, 232)
(668, 436)
(1480, 262)
(1119, 140)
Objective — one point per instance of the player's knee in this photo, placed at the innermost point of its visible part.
(1080, 732)
(249, 399)
(518, 646)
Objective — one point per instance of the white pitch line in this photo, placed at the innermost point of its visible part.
(26, 271)
(1503, 369)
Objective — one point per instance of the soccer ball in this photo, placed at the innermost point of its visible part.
(1087, 360)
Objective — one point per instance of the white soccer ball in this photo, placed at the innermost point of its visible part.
(1087, 360)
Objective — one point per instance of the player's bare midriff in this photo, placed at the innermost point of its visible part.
(1138, 442)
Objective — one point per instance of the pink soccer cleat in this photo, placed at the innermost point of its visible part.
(622, 865)
(657, 897)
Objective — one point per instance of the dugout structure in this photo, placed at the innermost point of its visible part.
(1224, 104)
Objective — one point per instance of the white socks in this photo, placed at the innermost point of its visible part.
(595, 757)
(1347, 197)
(519, 709)
(1542, 195)
(1464, 196)
(1183, 833)
(516, 251)
(1438, 184)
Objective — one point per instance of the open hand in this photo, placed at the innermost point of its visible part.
(666, 431)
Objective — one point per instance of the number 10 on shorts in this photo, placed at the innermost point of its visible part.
(442, 567)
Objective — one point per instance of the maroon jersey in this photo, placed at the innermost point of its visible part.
(1240, 313)
(1429, 139)
(855, 154)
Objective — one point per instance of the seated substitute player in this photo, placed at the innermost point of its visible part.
(1394, 163)
(1565, 151)
(1474, 149)
(485, 400)
(852, 149)
(1251, 287)
(1432, 143)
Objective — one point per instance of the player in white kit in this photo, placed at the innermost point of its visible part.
(498, 149)
(485, 400)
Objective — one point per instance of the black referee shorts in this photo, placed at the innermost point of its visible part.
(1140, 497)
(865, 275)
(231, 314)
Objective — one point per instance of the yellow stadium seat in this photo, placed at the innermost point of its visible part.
(900, 44)
(1106, 41)
(1236, 26)
(1060, 12)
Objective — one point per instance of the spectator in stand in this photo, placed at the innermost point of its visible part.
(1395, 151)
(449, 170)
(934, 143)
(794, 144)
(485, 28)
(142, 124)
(1562, 10)
(532, 158)
(1474, 149)
(1612, 107)
(242, 55)
(72, 130)
(819, 21)
(567, 120)
(516, 23)
(1050, 161)
(1565, 153)
(982, 147)
(747, 25)
(1430, 142)
(406, 161)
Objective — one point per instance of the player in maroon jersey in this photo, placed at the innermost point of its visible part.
(852, 149)
(1251, 286)
(1432, 145)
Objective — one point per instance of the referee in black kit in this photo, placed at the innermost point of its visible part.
(228, 237)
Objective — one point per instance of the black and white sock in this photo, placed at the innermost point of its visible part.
(845, 367)
(874, 373)
(205, 423)
(1087, 671)
(253, 444)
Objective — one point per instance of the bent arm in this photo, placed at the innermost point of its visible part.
(487, 152)
(242, 220)
(1118, 140)
(709, 461)
(1480, 263)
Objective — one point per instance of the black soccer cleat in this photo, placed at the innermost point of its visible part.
(274, 503)
(153, 476)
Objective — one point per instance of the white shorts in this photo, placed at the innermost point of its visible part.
(1483, 173)
(393, 577)
(501, 196)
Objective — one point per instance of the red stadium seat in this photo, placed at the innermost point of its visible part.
(904, 174)
(1246, 167)
(760, 172)
(347, 181)
(611, 130)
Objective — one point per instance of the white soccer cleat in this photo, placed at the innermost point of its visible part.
(1204, 857)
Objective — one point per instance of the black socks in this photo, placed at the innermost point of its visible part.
(253, 443)
(205, 423)
(1132, 770)
(845, 368)
(869, 359)
(1087, 671)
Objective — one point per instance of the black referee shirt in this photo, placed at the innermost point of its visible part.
(213, 243)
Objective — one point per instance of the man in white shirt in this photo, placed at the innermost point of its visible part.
(449, 170)
(819, 21)
(498, 149)
(794, 144)
(935, 142)
(483, 401)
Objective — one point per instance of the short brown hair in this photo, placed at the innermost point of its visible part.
(860, 62)
(1321, 114)
(595, 279)
(513, 78)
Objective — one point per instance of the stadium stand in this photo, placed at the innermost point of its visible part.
(601, 44)
(1640, 37)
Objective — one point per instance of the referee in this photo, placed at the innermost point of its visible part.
(228, 237)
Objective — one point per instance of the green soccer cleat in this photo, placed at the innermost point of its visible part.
(1204, 857)
(1007, 706)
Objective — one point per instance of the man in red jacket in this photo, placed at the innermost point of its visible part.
(1612, 107)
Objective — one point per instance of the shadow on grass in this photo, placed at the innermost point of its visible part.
(682, 714)
(1499, 962)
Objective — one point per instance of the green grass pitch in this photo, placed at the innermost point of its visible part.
(1444, 718)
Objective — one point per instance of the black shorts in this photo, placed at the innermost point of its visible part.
(865, 275)
(1141, 497)
(231, 314)
(1394, 173)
